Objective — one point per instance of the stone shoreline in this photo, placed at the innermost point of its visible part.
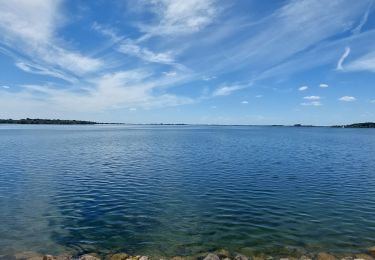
(217, 255)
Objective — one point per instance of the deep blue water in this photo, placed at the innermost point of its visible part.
(165, 190)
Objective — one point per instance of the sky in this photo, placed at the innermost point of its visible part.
(189, 61)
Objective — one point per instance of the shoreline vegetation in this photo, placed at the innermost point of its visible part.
(221, 254)
(39, 121)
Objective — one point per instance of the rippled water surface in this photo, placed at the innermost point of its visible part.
(165, 190)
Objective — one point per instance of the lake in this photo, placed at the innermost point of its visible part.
(184, 190)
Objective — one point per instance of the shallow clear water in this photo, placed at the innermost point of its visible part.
(165, 190)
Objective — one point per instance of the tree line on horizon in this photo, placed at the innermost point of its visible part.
(38, 121)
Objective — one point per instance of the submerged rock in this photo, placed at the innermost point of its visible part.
(119, 256)
(191, 257)
(325, 256)
(222, 253)
(347, 258)
(89, 257)
(241, 257)
(211, 257)
(63, 257)
(364, 257)
(371, 250)
(134, 257)
(143, 258)
(259, 257)
(28, 256)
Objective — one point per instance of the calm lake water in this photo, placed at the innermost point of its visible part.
(182, 190)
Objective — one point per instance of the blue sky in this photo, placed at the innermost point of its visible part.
(188, 61)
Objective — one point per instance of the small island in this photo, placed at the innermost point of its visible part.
(38, 121)
(357, 125)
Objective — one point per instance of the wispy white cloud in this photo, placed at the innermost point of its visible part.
(107, 31)
(29, 27)
(170, 73)
(130, 48)
(180, 16)
(312, 98)
(125, 89)
(208, 78)
(44, 70)
(342, 59)
(312, 103)
(272, 45)
(363, 63)
(347, 98)
(363, 21)
(23, 19)
(5, 86)
(323, 85)
(244, 102)
(227, 90)
(303, 88)
(259, 96)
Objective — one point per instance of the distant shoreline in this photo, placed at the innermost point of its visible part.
(38, 121)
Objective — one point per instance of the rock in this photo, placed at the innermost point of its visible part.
(325, 256)
(304, 258)
(241, 257)
(222, 253)
(177, 258)
(226, 258)
(134, 257)
(211, 257)
(89, 257)
(49, 257)
(371, 250)
(119, 256)
(143, 258)
(347, 258)
(363, 257)
(64, 257)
